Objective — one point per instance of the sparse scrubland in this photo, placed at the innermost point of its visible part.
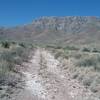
(82, 62)
(85, 65)
(12, 55)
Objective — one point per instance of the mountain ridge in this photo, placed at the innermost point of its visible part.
(68, 29)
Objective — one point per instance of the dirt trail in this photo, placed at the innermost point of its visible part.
(46, 80)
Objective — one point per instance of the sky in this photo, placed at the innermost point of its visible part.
(20, 12)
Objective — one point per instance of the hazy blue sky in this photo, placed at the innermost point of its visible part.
(18, 12)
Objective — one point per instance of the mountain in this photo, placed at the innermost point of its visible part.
(59, 30)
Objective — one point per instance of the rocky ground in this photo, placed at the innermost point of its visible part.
(46, 78)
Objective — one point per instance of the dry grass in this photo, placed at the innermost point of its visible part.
(10, 57)
(85, 66)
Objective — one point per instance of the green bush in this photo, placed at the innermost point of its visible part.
(93, 61)
(85, 49)
(87, 62)
(13, 42)
(96, 50)
(22, 45)
(58, 47)
(5, 44)
(71, 48)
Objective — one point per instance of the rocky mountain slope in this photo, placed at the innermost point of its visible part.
(69, 29)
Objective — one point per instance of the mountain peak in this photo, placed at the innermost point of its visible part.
(54, 29)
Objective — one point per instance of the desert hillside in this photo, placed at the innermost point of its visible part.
(58, 30)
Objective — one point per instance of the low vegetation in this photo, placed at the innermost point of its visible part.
(12, 54)
(85, 49)
(85, 61)
(85, 65)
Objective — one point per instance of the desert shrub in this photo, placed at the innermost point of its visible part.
(18, 60)
(75, 75)
(97, 67)
(77, 56)
(71, 48)
(54, 46)
(6, 68)
(94, 87)
(50, 46)
(95, 50)
(87, 81)
(13, 42)
(90, 61)
(24, 55)
(97, 60)
(85, 49)
(80, 77)
(8, 61)
(20, 54)
(14, 56)
(7, 56)
(3, 67)
(18, 51)
(58, 47)
(5, 44)
(30, 46)
(65, 56)
(22, 45)
(93, 61)
(59, 53)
